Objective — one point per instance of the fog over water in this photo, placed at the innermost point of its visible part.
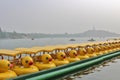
(59, 16)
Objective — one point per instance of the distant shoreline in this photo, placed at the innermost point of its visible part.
(89, 33)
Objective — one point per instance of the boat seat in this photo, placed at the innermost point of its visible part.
(37, 58)
(16, 62)
(53, 56)
(67, 54)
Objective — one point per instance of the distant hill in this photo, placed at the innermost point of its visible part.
(98, 33)
(12, 35)
(89, 33)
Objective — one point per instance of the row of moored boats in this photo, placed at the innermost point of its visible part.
(22, 61)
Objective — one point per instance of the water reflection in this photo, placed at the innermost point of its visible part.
(94, 70)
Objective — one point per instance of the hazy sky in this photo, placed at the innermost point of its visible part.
(59, 16)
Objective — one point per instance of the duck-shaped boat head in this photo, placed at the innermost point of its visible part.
(82, 51)
(115, 48)
(5, 71)
(61, 56)
(89, 50)
(96, 48)
(73, 54)
(46, 58)
(108, 47)
(5, 65)
(47, 62)
(26, 67)
(102, 47)
(27, 61)
(61, 59)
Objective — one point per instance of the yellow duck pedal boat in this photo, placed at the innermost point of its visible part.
(46, 62)
(82, 54)
(5, 73)
(27, 67)
(108, 48)
(61, 59)
(104, 49)
(90, 52)
(73, 56)
(97, 50)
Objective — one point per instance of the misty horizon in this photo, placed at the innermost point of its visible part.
(93, 28)
(59, 16)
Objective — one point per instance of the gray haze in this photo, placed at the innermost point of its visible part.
(59, 16)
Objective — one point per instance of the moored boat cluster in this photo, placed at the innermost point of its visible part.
(29, 60)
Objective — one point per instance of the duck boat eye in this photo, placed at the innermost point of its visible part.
(26, 61)
(47, 58)
(8, 65)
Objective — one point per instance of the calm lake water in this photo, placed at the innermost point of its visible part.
(105, 71)
(15, 43)
(109, 72)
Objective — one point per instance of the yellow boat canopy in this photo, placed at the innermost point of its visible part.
(61, 47)
(27, 50)
(45, 48)
(9, 52)
(37, 49)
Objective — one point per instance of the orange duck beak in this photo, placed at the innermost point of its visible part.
(50, 59)
(64, 57)
(11, 66)
(30, 63)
